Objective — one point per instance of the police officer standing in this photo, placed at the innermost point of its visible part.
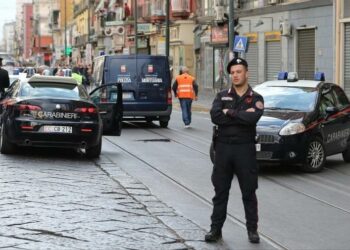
(4, 79)
(235, 111)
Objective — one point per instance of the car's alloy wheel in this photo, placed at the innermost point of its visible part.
(315, 157)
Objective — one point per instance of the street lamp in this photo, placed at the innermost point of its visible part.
(65, 28)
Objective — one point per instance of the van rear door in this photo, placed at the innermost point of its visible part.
(154, 82)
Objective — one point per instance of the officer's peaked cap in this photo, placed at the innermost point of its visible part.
(236, 61)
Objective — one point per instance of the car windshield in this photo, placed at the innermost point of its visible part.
(288, 98)
(53, 90)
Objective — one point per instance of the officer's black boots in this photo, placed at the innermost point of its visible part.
(253, 236)
(213, 236)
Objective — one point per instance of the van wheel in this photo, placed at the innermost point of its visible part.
(6, 147)
(95, 151)
(315, 156)
(346, 154)
(164, 124)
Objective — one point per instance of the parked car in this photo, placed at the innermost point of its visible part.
(51, 111)
(304, 121)
(146, 85)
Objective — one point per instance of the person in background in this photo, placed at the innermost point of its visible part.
(186, 89)
(77, 76)
(4, 79)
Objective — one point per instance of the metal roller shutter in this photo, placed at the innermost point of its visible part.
(306, 54)
(252, 59)
(347, 59)
(272, 60)
(207, 75)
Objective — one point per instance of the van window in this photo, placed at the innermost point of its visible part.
(152, 71)
(142, 70)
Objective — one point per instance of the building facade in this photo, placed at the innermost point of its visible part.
(283, 35)
(342, 43)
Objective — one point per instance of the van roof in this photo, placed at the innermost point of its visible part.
(138, 56)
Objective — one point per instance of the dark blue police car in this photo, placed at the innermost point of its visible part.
(304, 122)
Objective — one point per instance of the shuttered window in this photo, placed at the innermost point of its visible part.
(272, 60)
(347, 59)
(306, 54)
(252, 59)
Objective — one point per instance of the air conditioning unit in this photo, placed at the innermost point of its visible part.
(272, 2)
(219, 13)
(119, 30)
(108, 31)
(285, 28)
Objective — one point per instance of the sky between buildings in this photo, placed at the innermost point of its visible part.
(7, 13)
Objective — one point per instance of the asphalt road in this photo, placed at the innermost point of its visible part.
(296, 210)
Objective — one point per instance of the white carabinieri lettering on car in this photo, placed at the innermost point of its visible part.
(341, 134)
(226, 98)
(55, 115)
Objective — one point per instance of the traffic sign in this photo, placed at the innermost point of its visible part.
(240, 44)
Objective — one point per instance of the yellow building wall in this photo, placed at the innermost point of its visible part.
(66, 11)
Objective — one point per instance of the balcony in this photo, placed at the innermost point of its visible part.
(181, 8)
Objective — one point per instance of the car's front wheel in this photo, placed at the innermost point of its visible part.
(95, 151)
(6, 147)
(315, 156)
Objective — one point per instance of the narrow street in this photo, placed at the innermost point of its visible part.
(178, 158)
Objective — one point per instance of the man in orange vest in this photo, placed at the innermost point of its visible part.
(186, 89)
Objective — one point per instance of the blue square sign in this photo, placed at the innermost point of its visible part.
(240, 44)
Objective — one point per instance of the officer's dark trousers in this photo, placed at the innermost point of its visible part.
(238, 159)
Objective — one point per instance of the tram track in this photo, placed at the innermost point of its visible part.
(206, 201)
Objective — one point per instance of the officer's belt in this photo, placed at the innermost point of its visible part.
(234, 140)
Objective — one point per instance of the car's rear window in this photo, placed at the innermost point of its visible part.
(53, 90)
(288, 98)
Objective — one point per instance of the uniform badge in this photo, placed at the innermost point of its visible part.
(248, 100)
(259, 105)
(226, 98)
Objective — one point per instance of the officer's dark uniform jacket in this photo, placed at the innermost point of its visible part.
(237, 125)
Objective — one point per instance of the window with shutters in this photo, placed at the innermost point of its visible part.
(306, 54)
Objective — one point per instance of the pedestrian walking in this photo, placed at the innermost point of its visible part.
(235, 112)
(77, 76)
(186, 89)
(4, 79)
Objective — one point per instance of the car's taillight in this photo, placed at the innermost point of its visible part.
(86, 110)
(169, 99)
(27, 107)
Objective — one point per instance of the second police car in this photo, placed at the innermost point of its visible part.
(304, 121)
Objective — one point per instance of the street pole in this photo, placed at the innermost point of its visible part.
(65, 28)
(135, 26)
(167, 32)
(231, 27)
(89, 20)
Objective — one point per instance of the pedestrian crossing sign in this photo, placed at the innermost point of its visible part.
(240, 44)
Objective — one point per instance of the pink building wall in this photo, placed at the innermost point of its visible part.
(27, 32)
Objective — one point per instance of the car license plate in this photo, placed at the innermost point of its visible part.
(128, 95)
(58, 129)
(258, 147)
